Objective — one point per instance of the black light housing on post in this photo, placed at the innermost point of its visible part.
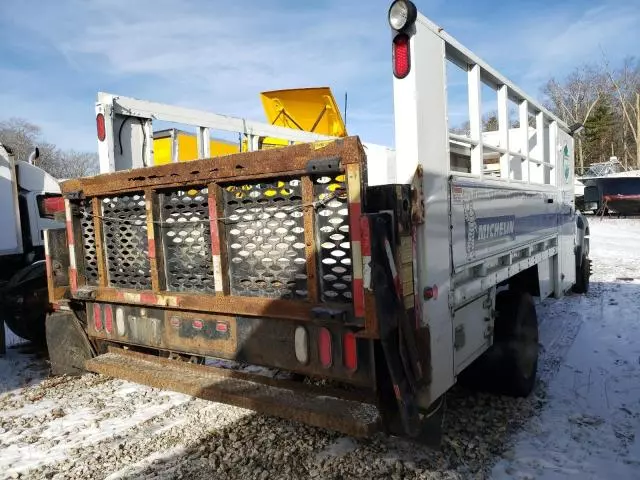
(576, 128)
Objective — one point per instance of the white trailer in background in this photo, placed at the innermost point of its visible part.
(445, 241)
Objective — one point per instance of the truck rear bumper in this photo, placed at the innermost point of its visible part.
(334, 410)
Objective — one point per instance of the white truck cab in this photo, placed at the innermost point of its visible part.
(29, 200)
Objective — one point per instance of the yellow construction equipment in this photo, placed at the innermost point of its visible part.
(308, 109)
(174, 145)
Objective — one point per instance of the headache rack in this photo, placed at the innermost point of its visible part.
(269, 233)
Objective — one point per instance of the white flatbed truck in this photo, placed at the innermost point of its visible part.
(395, 273)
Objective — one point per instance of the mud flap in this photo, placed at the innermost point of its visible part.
(404, 373)
(68, 345)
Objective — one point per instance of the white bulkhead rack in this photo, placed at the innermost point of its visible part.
(480, 229)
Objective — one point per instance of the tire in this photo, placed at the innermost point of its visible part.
(26, 308)
(510, 365)
(583, 274)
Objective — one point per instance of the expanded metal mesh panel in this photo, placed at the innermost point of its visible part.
(186, 240)
(264, 226)
(85, 212)
(125, 241)
(334, 245)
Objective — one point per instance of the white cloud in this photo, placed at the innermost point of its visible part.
(218, 56)
(219, 59)
(533, 46)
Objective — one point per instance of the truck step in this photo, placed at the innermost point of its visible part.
(282, 398)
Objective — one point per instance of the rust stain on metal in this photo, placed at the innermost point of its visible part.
(49, 269)
(97, 228)
(309, 239)
(371, 329)
(417, 198)
(226, 346)
(218, 240)
(290, 400)
(289, 161)
(245, 306)
(151, 199)
(57, 263)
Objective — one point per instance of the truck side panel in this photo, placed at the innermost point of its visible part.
(490, 218)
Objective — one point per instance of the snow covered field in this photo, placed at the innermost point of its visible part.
(582, 422)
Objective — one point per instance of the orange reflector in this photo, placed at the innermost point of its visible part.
(97, 316)
(301, 345)
(349, 351)
(108, 318)
(324, 347)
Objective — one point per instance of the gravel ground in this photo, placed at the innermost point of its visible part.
(95, 427)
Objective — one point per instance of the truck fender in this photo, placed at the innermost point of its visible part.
(27, 274)
(582, 238)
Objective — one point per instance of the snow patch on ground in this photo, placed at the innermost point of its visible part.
(583, 421)
(339, 448)
(591, 422)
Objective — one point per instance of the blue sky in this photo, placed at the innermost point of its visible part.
(217, 56)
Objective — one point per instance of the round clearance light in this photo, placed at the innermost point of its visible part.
(301, 345)
(120, 321)
(402, 14)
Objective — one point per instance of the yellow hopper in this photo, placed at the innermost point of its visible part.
(309, 109)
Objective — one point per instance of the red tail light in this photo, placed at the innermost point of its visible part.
(324, 348)
(53, 205)
(222, 327)
(349, 351)
(401, 56)
(108, 319)
(97, 316)
(100, 126)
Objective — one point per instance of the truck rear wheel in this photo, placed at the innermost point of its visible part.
(583, 274)
(510, 366)
(26, 303)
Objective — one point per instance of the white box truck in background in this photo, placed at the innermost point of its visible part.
(29, 201)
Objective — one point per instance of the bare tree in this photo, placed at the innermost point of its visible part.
(626, 84)
(72, 164)
(22, 137)
(489, 124)
(574, 98)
